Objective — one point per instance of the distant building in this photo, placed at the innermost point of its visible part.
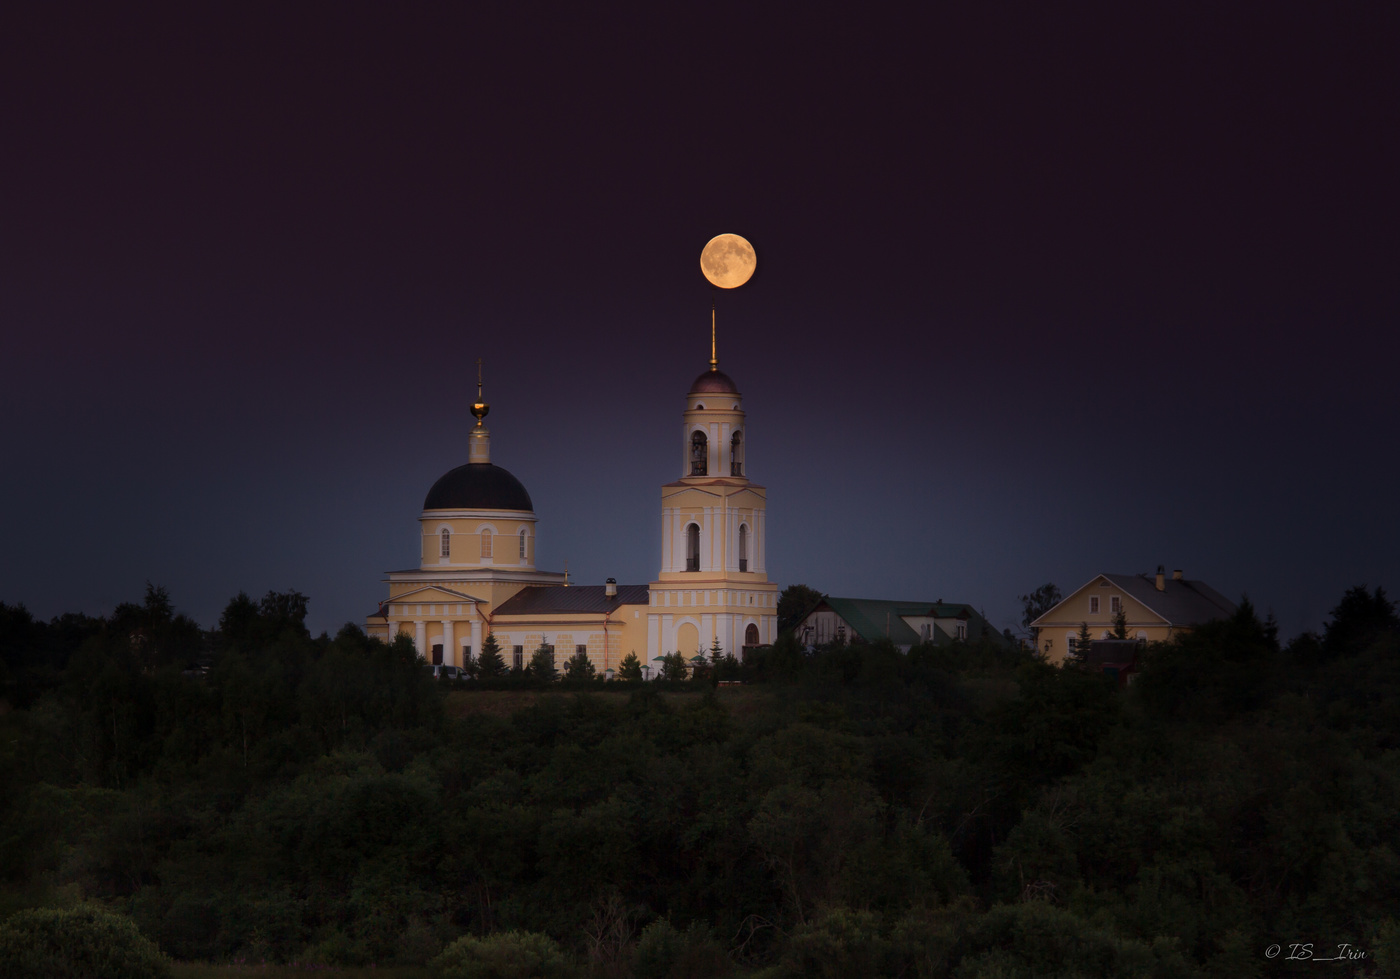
(905, 624)
(1156, 608)
(478, 576)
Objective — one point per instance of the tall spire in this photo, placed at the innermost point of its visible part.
(714, 361)
(481, 408)
(479, 439)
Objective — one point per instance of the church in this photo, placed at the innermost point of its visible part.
(478, 575)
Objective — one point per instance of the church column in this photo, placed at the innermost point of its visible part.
(420, 637)
(476, 637)
(449, 648)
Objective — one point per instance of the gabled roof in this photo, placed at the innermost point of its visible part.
(553, 600)
(396, 599)
(1181, 602)
(872, 617)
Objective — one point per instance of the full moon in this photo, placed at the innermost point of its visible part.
(728, 261)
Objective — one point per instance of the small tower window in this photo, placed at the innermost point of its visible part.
(743, 547)
(692, 547)
(522, 544)
(736, 455)
(486, 543)
(446, 543)
(699, 454)
(751, 635)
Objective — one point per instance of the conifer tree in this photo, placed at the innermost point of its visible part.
(630, 668)
(1082, 647)
(1120, 622)
(542, 663)
(579, 667)
(490, 665)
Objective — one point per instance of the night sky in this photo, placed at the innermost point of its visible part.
(1041, 292)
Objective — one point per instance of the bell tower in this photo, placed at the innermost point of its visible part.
(713, 581)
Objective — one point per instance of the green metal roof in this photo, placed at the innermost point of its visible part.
(874, 618)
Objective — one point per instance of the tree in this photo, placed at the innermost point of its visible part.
(490, 665)
(579, 667)
(1085, 637)
(1120, 622)
(1358, 620)
(542, 663)
(1036, 604)
(699, 667)
(673, 667)
(794, 603)
(630, 668)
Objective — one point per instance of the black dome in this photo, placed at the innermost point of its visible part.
(478, 486)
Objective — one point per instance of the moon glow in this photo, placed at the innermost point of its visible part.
(728, 261)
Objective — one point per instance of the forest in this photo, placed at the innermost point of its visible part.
(253, 793)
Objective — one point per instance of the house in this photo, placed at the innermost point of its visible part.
(905, 624)
(1156, 609)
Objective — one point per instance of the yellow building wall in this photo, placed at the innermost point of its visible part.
(1074, 612)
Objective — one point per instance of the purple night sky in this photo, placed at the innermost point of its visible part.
(1041, 292)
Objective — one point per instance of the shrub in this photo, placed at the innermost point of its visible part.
(77, 943)
(665, 953)
(508, 955)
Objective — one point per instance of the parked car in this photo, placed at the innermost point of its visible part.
(448, 673)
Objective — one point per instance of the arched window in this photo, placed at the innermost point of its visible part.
(522, 543)
(692, 547)
(699, 454)
(446, 542)
(751, 635)
(743, 547)
(736, 455)
(486, 543)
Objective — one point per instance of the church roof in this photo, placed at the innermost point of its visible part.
(548, 600)
(478, 486)
(714, 382)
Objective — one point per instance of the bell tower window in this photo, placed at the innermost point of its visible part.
(692, 547)
(699, 454)
(736, 455)
(446, 550)
(486, 543)
(743, 547)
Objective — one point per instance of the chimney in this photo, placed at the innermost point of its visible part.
(1176, 575)
(610, 589)
(1161, 577)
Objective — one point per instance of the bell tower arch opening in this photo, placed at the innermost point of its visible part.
(699, 453)
(692, 547)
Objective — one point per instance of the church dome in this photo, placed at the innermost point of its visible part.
(714, 382)
(478, 486)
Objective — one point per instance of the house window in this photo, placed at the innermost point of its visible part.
(699, 454)
(522, 544)
(486, 543)
(580, 650)
(692, 547)
(446, 542)
(1093, 605)
(962, 630)
(1115, 604)
(736, 455)
(518, 654)
(743, 548)
(1072, 644)
(466, 654)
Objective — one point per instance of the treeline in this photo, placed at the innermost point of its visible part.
(959, 810)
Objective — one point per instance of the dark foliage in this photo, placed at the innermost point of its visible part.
(954, 810)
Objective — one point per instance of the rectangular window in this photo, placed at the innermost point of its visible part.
(1115, 604)
(466, 655)
(446, 544)
(580, 650)
(522, 545)
(486, 543)
(1072, 644)
(518, 654)
(1093, 605)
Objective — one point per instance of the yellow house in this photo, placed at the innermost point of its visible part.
(477, 574)
(1156, 608)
